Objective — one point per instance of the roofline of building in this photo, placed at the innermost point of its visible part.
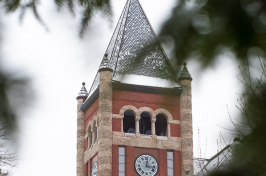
(88, 102)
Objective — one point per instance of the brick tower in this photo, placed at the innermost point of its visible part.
(137, 117)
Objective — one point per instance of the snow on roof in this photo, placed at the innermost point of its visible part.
(145, 81)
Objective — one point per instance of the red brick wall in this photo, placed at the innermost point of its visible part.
(177, 163)
(87, 167)
(130, 161)
(140, 99)
(115, 160)
(162, 162)
(116, 124)
(91, 112)
(85, 144)
(175, 130)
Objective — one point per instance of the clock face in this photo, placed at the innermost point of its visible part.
(94, 169)
(146, 165)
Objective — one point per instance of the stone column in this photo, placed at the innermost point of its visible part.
(80, 131)
(137, 118)
(153, 133)
(96, 134)
(105, 122)
(89, 139)
(92, 136)
(168, 129)
(186, 130)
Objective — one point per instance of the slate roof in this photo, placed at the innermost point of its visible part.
(134, 48)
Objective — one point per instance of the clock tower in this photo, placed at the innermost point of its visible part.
(136, 119)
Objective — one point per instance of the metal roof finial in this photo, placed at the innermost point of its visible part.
(184, 74)
(83, 92)
(106, 64)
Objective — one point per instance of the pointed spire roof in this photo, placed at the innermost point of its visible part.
(184, 74)
(106, 64)
(134, 48)
(83, 92)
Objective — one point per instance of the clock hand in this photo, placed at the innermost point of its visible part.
(148, 165)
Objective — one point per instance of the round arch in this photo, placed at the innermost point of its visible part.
(126, 108)
(166, 113)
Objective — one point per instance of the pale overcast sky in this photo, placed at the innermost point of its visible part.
(58, 62)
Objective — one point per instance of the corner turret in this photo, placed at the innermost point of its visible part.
(105, 118)
(82, 95)
(106, 64)
(184, 74)
(186, 130)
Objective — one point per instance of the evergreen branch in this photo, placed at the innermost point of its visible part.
(36, 13)
(87, 15)
(59, 4)
(70, 5)
(82, 2)
(11, 5)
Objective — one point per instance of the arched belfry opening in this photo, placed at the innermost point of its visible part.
(145, 124)
(129, 122)
(94, 129)
(89, 137)
(161, 125)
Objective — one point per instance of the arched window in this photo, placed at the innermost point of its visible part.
(145, 124)
(129, 122)
(161, 125)
(94, 132)
(89, 137)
